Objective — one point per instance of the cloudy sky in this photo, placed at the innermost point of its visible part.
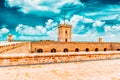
(39, 19)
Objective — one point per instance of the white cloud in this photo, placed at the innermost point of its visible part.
(29, 38)
(114, 28)
(29, 30)
(14, 37)
(4, 31)
(33, 33)
(66, 22)
(111, 34)
(51, 35)
(76, 19)
(77, 22)
(51, 24)
(110, 17)
(42, 5)
(92, 36)
(98, 24)
(87, 20)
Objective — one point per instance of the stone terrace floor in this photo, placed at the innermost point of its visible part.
(86, 70)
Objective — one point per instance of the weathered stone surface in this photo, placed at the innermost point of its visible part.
(85, 70)
(10, 59)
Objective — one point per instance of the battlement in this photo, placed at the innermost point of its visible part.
(65, 25)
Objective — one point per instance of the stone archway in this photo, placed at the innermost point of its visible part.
(96, 49)
(76, 50)
(39, 50)
(53, 50)
(87, 50)
(118, 49)
(65, 50)
(105, 49)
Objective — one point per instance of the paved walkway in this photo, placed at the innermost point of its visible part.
(89, 70)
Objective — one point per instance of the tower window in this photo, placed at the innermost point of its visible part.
(65, 32)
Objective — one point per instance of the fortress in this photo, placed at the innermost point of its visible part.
(65, 44)
(63, 50)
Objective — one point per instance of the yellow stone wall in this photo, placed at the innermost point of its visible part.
(18, 59)
(6, 48)
(47, 46)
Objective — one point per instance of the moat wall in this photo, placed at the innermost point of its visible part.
(22, 59)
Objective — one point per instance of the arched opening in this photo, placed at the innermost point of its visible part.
(65, 40)
(65, 50)
(96, 49)
(105, 49)
(53, 50)
(39, 51)
(87, 50)
(76, 50)
(65, 32)
(118, 49)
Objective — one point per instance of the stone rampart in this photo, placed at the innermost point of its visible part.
(47, 46)
(5, 48)
(21, 59)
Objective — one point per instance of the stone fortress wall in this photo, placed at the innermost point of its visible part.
(76, 52)
(50, 46)
(7, 46)
(65, 44)
(24, 59)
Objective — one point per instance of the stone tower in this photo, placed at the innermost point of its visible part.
(99, 39)
(9, 38)
(64, 33)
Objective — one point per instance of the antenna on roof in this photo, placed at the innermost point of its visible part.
(64, 14)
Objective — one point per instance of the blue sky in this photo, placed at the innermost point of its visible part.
(39, 19)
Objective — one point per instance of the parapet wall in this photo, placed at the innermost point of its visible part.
(21, 59)
(4, 48)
